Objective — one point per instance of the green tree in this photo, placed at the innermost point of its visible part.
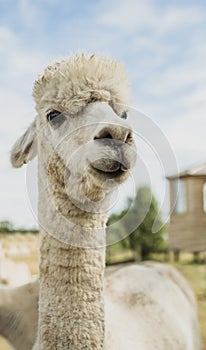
(148, 237)
(141, 222)
(6, 226)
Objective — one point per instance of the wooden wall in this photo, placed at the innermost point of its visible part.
(187, 231)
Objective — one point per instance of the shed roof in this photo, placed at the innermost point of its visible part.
(195, 171)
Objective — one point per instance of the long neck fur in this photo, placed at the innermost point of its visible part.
(71, 304)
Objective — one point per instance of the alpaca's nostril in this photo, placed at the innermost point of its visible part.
(129, 138)
(104, 135)
(108, 136)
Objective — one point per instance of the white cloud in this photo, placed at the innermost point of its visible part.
(20, 68)
(20, 64)
(175, 79)
(196, 99)
(188, 131)
(132, 15)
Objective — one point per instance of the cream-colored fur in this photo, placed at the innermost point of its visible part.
(83, 79)
(19, 315)
(146, 309)
(126, 303)
(83, 157)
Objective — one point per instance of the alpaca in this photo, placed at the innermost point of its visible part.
(7, 267)
(19, 314)
(22, 304)
(85, 150)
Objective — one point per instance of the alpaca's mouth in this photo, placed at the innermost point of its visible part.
(110, 174)
(109, 167)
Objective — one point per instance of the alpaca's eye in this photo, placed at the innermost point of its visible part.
(55, 118)
(124, 115)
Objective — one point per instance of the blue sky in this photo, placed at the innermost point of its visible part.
(161, 44)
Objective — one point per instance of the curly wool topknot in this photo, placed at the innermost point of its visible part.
(72, 83)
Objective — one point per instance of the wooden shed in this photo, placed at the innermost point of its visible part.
(187, 229)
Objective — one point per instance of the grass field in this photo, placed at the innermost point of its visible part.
(196, 276)
(194, 273)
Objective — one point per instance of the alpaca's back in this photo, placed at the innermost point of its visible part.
(150, 307)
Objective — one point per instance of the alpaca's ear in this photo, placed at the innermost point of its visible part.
(25, 147)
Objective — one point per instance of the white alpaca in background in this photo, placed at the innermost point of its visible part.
(19, 315)
(85, 150)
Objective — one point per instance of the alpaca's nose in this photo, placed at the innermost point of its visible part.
(122, 134)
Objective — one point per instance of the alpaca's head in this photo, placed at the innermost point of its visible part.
(84, 144)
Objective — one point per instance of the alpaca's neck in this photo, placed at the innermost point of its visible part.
(71, 296)
(71, 307)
